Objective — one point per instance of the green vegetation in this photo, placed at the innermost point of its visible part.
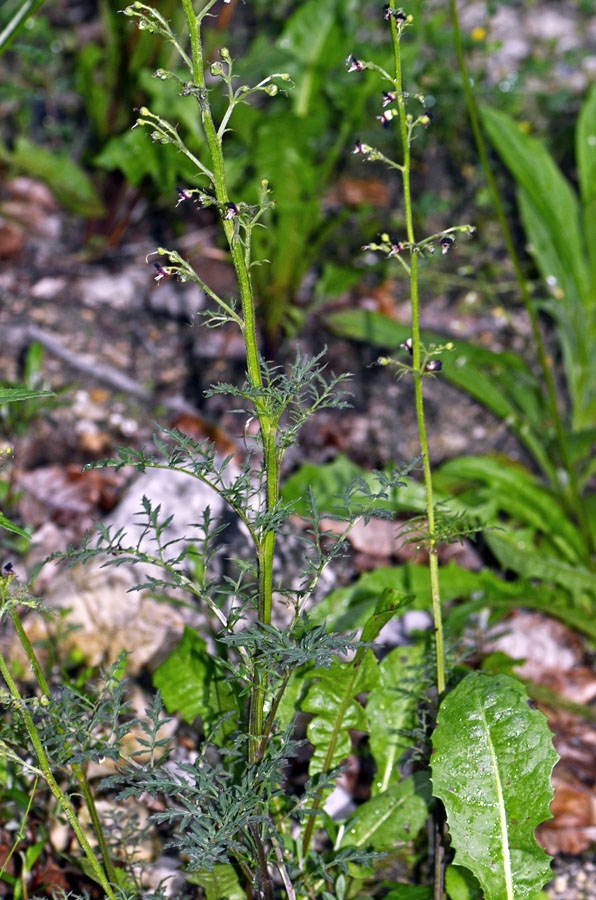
(277, 676)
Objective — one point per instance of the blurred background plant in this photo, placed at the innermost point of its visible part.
(76, 76)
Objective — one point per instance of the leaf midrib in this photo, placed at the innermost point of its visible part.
(501, 808)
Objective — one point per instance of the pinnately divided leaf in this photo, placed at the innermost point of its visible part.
(491, 766)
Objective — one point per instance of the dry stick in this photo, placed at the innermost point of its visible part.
(572, 498)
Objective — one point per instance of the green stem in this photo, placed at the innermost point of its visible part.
(77, 769)
(570, 494)
(416, 365)
(221, 194)
(27, 8)
(51, 782)
(265, 542)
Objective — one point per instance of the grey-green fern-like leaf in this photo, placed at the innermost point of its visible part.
(491, 766)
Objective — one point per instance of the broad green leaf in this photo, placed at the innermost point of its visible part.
(191, 683)
(350, 607)
(132, 153)
(554, 226)
(308, 36)
(391, 818)
(585, 155)
(516, 552)
(408, 892)
(510, 489)
(386, 608)
(491, 766)
(9, 526)
(391, 710)
(331, 701)
(135, 155)
(330, 480)
(67, 181)
(16, 395)
(571, 312)
(221, 881)
(460, 884)
(585, 146)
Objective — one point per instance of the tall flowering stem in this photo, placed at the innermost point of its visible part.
(396, 24)
(267, 423)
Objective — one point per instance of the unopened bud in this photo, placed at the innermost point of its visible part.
(216, 68)
(271, 89)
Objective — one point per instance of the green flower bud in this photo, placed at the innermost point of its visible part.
(216, 68)
(271, 89)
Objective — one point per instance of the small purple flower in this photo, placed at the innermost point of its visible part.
(396, 14)
(183, 195)
(231, 211)
(386, 116)
(407, 345)
(353, 64)
(364, 149)
(160, 271)
(434, 365)
(388, 98)
(426, 118)
(396, 249)
(446, 243)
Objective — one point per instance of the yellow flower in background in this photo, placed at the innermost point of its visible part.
(478, 34)
(525, 127)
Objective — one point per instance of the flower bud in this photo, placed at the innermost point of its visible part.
(271, 89)
(225, 54)
(216, 68)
